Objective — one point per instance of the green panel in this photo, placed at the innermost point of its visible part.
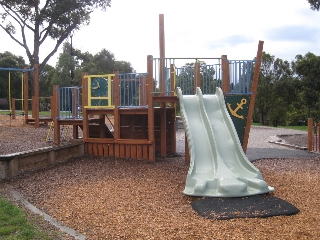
(238, 107)
(99, 88)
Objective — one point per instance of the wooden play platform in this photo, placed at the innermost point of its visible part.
(143, 106)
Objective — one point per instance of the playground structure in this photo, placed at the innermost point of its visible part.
(35, 102)
(216, 102)
(216, 97)
(143, 106)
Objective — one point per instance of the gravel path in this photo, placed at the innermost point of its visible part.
(259, 146)
(260, 135)
(111, 198)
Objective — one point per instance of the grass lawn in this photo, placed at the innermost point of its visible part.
(302, 128)
(15, 225)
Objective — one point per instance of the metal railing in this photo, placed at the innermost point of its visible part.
(240, 76)
(184, 74)
(69, 102)
(132, 90)
(211, 75)
(132, 87)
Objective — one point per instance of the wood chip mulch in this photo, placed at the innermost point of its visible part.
(108, 198)
(112, 198)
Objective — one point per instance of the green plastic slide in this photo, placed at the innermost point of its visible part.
(218, 165)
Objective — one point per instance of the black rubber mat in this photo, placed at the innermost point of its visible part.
(264, 205)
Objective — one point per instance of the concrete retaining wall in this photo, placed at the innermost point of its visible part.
(14, 164)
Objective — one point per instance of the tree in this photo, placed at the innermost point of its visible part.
(308, 69)
(185, 78)
(102, 63)
(314, 4)
(276, 90)
(49, 19)
(62, 76)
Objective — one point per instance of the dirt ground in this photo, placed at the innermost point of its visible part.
(112, 198)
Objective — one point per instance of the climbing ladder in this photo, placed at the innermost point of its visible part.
(63, 132)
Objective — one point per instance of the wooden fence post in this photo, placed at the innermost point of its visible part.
(225, 74)
(310, 134)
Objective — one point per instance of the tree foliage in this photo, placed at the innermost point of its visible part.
(276, 90)
(48, 19)
(72, 63)
(308, 69)
(314, 4)
(185, 78)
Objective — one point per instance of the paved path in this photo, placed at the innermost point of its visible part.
(260, 153)
(258, 145)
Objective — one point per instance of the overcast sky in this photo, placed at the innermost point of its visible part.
(201, 28)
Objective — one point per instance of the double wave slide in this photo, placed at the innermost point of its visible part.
(218, 165)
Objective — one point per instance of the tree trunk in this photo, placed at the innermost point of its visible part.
(263, 118)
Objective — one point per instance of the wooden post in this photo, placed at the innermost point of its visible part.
(151, 138)
(55, 102)
(225, 74)
(162, 85)
(163, 131)
(55, 114)
(85, 121)
(186, 147)
(56, 131)
(36, 94)
(173, 121)
(25, 96)
(310, 134)
(254, 88)
(197, 76)
(116, 114)
(149, 80)
(162, 79)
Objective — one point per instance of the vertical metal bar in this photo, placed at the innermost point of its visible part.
(126, 93)
(63, 102)
(120, 89)
(243, 77)
(247, 76)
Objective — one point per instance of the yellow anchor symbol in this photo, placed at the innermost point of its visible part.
(239, 106)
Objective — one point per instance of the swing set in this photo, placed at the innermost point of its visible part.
(24, 96)
(10, 100)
